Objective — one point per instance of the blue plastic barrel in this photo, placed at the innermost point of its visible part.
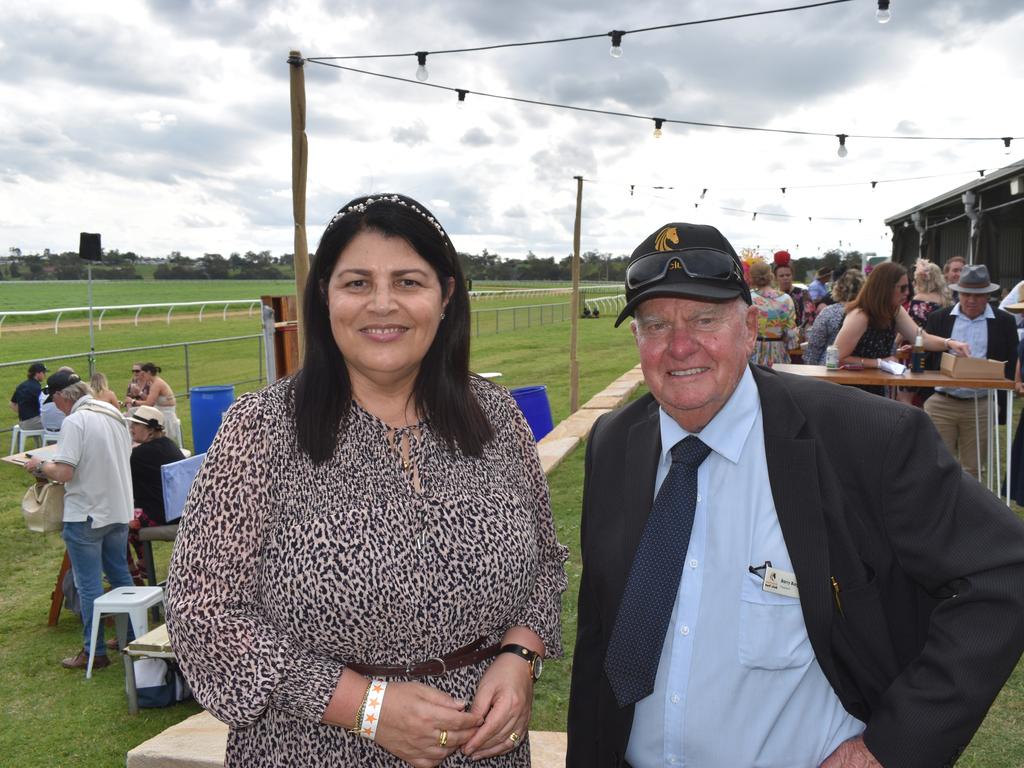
(533, 402)
(208, 406)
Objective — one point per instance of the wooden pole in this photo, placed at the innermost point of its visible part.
(300, 158)
(574, 366)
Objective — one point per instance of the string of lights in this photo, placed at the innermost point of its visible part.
(789, 187)
(754, 213)
(616, 36)
(659, 122)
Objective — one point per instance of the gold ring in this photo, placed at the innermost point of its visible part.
(443, 739)
(514, 737)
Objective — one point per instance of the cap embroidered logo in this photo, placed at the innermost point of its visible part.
(666, 239)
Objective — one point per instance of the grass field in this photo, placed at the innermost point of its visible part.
(54, 718)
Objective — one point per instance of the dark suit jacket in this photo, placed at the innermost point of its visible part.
(931, 566)
(1002, 343)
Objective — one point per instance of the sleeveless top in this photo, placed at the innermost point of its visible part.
(876, 342)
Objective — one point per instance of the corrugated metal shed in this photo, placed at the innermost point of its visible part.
(940, 228)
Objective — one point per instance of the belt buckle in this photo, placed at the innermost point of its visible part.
(444, 667)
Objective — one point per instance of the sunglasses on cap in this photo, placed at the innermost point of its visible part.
(696, 263)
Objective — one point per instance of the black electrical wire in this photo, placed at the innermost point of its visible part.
(584, 37)
(676, 121)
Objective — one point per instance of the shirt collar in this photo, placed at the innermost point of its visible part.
(727, 432)
(987, 315)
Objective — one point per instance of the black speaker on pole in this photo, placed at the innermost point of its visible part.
(89, 247)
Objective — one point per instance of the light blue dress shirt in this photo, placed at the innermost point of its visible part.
(975, 333)
(737, 684)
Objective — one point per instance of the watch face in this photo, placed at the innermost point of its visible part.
(538, 666)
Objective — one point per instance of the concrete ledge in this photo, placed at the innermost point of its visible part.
(553, 452)
(201, 741)
(198, 742)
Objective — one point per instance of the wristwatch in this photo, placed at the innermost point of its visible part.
(534, 659)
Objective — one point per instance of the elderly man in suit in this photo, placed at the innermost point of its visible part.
(776, 571)
(959, 413)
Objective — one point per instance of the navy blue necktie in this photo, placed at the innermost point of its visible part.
(634, 649)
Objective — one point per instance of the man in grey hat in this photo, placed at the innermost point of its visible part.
(776, 571)
(960, 414)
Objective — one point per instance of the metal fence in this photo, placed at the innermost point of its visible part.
(59, 312)
(509, 319)
(180, 363)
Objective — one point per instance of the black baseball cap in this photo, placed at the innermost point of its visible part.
(686, 261)
(59, 381)
(36, 368)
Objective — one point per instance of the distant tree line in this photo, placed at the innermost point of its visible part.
(485, 266)
(123, 266)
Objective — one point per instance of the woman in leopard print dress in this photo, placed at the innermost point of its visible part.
(381, 508)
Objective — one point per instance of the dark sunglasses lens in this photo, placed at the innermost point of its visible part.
(709, 264)
(646, 269)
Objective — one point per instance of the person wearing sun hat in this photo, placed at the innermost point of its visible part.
(960, 413)
(768, 559)
(153, 448)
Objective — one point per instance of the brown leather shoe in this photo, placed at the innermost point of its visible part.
(81, 661)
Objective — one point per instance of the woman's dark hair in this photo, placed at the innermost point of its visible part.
(875, 298)
(151, 368)
(322, 388)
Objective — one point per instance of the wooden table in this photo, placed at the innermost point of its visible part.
(874, 377)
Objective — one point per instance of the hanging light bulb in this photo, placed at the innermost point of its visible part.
(1006, 144)
(883, 14)
(658, 122)
(842, 152)
(461, 93)
(421, 70)
(616, 50)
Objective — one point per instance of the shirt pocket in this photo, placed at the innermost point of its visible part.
(772, 634)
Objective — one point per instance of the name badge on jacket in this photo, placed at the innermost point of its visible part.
(780, 582)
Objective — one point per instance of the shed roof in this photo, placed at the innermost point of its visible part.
(953, 196)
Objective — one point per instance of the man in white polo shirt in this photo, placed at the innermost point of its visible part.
(93, 461)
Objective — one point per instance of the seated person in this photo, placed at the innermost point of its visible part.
(153, 449)
(51, 416)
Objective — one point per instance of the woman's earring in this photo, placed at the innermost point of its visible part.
(442, 315)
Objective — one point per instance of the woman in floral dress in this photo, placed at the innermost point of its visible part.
(776, 318)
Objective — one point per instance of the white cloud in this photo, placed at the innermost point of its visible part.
(154, 120)
(166, 126)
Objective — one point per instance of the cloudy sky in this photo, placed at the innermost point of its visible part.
(164, 125)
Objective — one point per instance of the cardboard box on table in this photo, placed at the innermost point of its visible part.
(971, 367)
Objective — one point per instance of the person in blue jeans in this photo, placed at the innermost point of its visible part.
(93, 462)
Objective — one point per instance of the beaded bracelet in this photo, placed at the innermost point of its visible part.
(369, 713)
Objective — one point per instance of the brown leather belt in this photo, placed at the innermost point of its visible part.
(465, 656)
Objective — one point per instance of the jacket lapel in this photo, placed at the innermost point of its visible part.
(643, 446)
(793, 474)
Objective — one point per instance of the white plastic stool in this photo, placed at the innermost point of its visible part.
(50, 437)
(126, 603)
(18, 436)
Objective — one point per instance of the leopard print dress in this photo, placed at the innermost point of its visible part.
(394, 551)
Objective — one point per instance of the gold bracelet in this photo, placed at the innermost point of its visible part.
(362, 710)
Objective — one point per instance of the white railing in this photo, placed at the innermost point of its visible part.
(59, 311)
(606, 303)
